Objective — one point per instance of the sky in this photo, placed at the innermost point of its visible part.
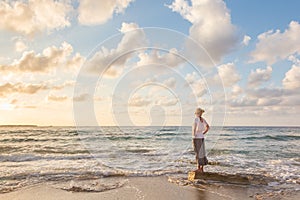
(139, 62)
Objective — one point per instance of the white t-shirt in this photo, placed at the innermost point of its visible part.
(200, 127)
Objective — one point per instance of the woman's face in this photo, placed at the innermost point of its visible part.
(198, 113)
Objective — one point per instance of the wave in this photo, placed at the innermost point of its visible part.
(19, 140)
(49, 151)
(165, 134)
(270, 137)
(168, 129)
(95, 187)
(31, 157)
(114, 138)
(227, 152)
(138, 150)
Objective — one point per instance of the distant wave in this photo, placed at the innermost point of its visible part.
(168, 129)
(271, 137)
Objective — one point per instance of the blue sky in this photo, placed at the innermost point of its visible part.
(51, 45)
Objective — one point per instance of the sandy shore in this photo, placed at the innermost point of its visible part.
(147, 188)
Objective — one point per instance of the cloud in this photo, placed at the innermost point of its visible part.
(246, 40)
(13, 101)
(191, 78)
(236, 90)
(248, 101)
(228, 74)
(9, 88)
(166, 101)
(268, 101)
(32, 16)
(51, 58)
(111, 62)
(291, 100)
(99, 98)
(199, 88)
(65, 84)
(27, 106)
(20, 46)
(138, 101)
(275, 45)
(91, 12)
(57, 98)
(292, 78)
(211, 27)
(243, 102)
(268, 92)
(170, 59)
(196, 83)
(82, 97)
(259, 76)
(170, 83)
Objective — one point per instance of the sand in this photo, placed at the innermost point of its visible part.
(146, 188)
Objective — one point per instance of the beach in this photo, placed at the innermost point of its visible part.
(147, 188)
(147, 163)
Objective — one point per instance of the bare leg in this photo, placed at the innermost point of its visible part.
(198, 166)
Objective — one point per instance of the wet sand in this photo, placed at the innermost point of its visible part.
(147, 188)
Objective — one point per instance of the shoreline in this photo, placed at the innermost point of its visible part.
(145, 188)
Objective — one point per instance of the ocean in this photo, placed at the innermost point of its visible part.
(86, 158)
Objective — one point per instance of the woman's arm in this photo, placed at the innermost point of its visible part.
(206, 129)
(194, 129)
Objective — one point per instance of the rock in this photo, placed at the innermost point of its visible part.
(244, 179)
(192, 176)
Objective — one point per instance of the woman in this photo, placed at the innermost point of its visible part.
(199, 129)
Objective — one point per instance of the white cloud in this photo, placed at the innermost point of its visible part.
(268, 101)
(275, 45)
(50, 59)
(243, 102)
(64, 85)
(259, 76)
(57, 98)
(111, 62)
(191, 78)
(81, 97)
(138, 101)
(20, 46)
(32, 16)
(267, 92)
(255, 103)
(291, 100)
(294, 59)
(246, 40)
(236, 90)
(228, 74)
(170, 59)
(196, 83)
(10, 88)
(292, 78)
(170, 83)
(93, 12)
(166, 101)
(211, 27)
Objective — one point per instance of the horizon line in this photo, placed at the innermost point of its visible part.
(35, 125)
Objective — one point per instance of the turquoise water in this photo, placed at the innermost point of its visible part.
(65, 155)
